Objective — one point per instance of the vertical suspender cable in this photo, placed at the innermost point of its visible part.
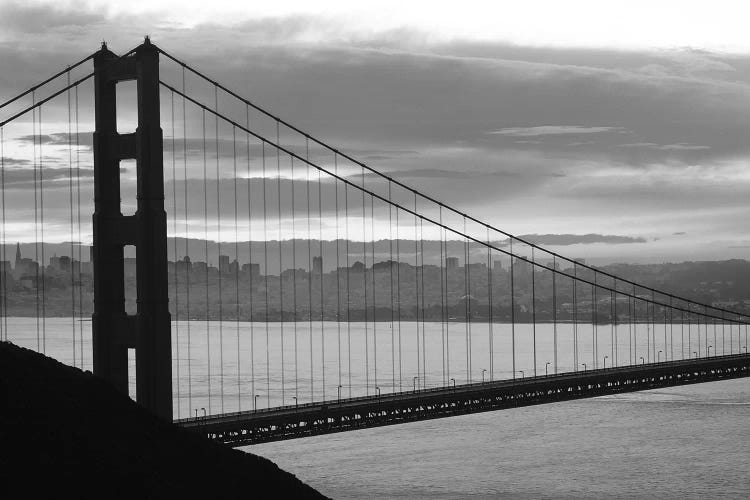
(390, 267)
(443, 319)
(236, 267)
(421, 275)
(175, 278)
(72, 235)
(533, 305)
(467, 306)
(250, 262)
(266, 275)
(364, 287)
(205, 230)
(594, 329)
(80, 243)
(671, 330)
(322, 311)
(36, 223)
(614, 344)
(309, 267)
(338, 265)
(490, 318)
(554, 311)
(187, 253)
(630, 329)
(41, 225)
(294, 283)
(281, 268)
(398, 303)
(372, 284)
(416, 283)
(348, 291)
(218, 251)
(512, 311)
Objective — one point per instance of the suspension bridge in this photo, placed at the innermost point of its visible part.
(253, 283)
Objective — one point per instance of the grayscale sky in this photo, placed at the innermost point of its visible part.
(614, 118)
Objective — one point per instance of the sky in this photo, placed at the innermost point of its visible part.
(622, 119)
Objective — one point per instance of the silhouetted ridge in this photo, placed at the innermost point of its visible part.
(65, 431)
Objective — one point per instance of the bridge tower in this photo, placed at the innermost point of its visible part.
(113, 330)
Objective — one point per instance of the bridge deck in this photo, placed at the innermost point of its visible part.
(288, 422)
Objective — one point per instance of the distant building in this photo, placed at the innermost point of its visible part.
(234, 267)
(65, 263)
(200, 267)
(59, 264)
(251, 268)
(54, 263)
(317, 265)
(24, 266)
(184, 265)
(497, 265)
(224, 264)
(451, 262)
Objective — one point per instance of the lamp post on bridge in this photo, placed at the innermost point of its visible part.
(745, 348)
(605, 361)
(708, 351)
(204, 412)
(546, 371)
(414, 382)
(483, 371)
(295, 402)
(696, 354)
(378, 389)
(255, 402)
(658, 356)
(643, 361)
(454, 383)
(584, 366)
(521, 372)
(338, 391)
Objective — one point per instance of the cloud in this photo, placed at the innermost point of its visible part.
(580, 239)
(665, 147)
(421, 111)
(553, 130)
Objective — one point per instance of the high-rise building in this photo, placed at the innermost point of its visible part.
(223, 264)
(451, 262)
(234, 267)
(65, 263)
(497, 265)
(318, 265)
